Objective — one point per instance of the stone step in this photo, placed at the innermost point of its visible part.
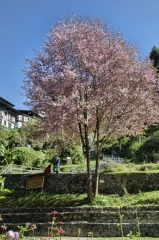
(93, 229)
(100, 221)
(92, 216)
(80, 209)
(23, 217)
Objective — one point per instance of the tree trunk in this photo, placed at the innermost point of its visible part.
(89, 178)
(96, 176)
(89, 171)
(85, 143)
(97, 159)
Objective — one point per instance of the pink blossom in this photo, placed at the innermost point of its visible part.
(12, 234)
(54, 212)
(56, 229)
(61, 231)
(61, 223)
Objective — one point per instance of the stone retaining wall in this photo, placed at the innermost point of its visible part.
(109, 183)
(146, 214)
(101, 221)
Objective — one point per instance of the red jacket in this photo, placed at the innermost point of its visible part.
(47, 170)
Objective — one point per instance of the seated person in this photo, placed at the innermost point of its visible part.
(47, 169)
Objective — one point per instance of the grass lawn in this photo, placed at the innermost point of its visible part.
(35, 198)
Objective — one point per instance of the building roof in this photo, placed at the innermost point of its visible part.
(27, 112)
(9, 106)
(5, 102)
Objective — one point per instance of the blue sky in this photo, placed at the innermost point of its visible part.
(25, 23)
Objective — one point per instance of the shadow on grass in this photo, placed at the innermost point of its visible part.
(38, 199)
(35, 198)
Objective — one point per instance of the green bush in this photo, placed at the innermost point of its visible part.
(74, 152)
(28, 157)
(147, 167)
(114, 167)
(149, 150)
(131, 167)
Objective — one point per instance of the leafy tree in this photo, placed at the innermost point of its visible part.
(125, 146)
(4, 133)
(16, 138)
(6, 155)
(89, 81)
(74, 151)
(149, 150)
(154, 56)
(28, 132)
(151, 130)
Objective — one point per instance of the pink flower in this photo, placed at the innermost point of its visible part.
(54, 218)
(61, 223)
(54, 212)
(56, 229)
(61, 231)
(13, 235)
(10, 234)
(30, 229)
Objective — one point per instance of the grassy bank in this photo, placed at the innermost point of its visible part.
(36, 198)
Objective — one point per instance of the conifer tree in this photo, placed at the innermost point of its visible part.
(154, 56)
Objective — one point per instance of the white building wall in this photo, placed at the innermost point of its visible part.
(7, 119)
(18, 124)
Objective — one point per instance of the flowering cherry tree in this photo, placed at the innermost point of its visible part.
(88, 81)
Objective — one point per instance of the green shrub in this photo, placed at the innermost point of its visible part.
(131, 167)
(147, 167)
(149, 151)
(114, 167)
(75, 152)
(28, 157)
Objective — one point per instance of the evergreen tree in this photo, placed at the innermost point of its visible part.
(154, 56)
